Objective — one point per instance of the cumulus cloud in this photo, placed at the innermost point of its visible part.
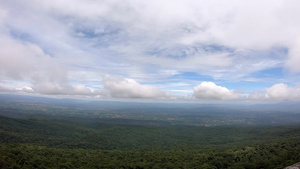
(278, 92)
(129, 88)
(209, 90)
(283, 92)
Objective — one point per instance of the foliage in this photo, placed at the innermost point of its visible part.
(63, 134)
(34, 143)
(275, 155)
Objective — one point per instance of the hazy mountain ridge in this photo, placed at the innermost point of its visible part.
(158, 113)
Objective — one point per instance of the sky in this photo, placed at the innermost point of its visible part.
(195, 50)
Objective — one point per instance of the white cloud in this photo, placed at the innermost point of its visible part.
(137, 36)
(25, 89)
(52, 88)
(278, 92)
(211, 91)
(294, 58)
(129, 88)
(16, 59)
(283, 92)
(25, 61)
(75, 42)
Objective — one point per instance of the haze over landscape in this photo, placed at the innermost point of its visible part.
(149, 84)
(170, 50)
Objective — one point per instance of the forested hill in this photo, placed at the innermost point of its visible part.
(48, 134)
(69, 133)
(66, 143)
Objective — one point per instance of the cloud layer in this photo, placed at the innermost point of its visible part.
(67, 47)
